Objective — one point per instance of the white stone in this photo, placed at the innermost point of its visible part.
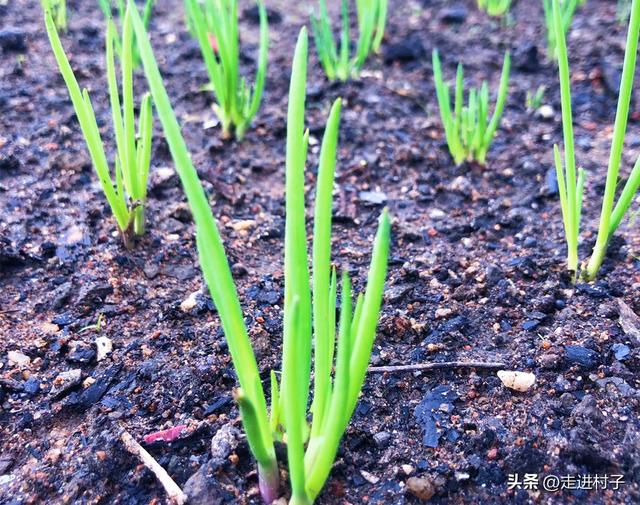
(16, 358)
(104, 347)
(518, 381)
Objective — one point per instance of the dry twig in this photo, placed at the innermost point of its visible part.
(436, 366)
(174, 493)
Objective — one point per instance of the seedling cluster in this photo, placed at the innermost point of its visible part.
(124, 186)
(533, 99)
(334, 400)
(58, 10)
(468, 129)
(215, 25)
(495, 7)
(109, 7)
(571, 181)
(567, 9)
(336, 59)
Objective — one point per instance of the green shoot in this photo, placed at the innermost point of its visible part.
(623, 11)
(107, 7)
(97, 326)
(570, 186)
(306, 313)
(125, 187)
(468, 129)
(337, 61)
(495, 8)
(567, 9)
(58, 10)
(533, 100)
(610, 217)
(215, 24)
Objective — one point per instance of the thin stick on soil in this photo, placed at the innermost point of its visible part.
(436, 366)
(174, 493)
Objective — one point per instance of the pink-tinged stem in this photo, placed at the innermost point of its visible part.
(168, 435)
(269, 481)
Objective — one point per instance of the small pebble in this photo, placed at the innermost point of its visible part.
(104, 346)
(18, 359)
(518, 381)
(382, 438)
(546, 112)
(407, 469)
(443, 312)
(190, 302)
(421, 487)
(65, 381)
(437, 214)
(621, 351)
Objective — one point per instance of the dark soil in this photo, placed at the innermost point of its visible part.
(476, 272)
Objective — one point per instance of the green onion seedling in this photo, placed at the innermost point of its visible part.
(126, 188)
(468, 129)
(623, 11)
(567, 9)
(309, 312)
(495, 8)
(215, 24)
(58, 10)
(97, 326)
(337, 62)
(533, 100)
(570, 184)
(107, 7)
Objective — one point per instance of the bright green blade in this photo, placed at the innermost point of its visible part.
(567, 129)
(322, 265)
(297, 334)
(129, 164)
(617, 142)
(626, 198)
(318, 462)
(89, 127)
(500, 102)
(368, 319)
(213, 259)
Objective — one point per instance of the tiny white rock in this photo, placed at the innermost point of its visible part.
(518, 381)
(369, 477)
(437, 214)
(546, 112)
(18, 359)
(190, 302)
(65, 380)
(443, 312)
(104, 347)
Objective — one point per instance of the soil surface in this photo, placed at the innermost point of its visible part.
(477, 270)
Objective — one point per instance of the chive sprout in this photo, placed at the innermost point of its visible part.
(623, 11)
(215, 25)
(571, 186)
(127, 194)
(306, 312)
(58, 10)
(495, 7)
(533, 99)
(567, 9)
(120, 6)
(336, 61)
(468, 129)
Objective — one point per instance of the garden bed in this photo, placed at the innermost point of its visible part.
(476, 272)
